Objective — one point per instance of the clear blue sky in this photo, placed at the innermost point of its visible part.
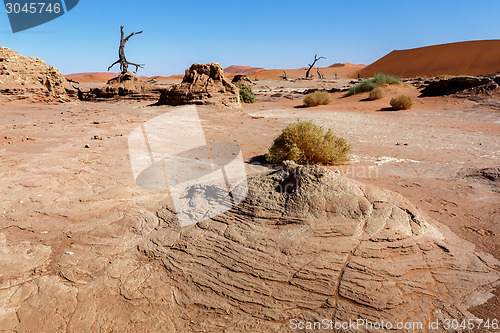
(270, 33)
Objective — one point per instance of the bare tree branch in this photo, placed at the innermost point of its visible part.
(321, 76)
(122, 60)
(312, 65)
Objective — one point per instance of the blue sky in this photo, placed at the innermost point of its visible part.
(270, 34)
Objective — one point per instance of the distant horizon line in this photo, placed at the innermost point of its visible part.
(251, 67)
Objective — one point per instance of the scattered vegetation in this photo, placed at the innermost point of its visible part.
(304, 142)
(320, 97)
(401, 102)
(246, 93)
(376, 93)
(374, 82)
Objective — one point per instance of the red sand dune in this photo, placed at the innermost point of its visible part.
(343, 71)
(92, 77)
(462, 58)
(159, 77)
(346, 70)
(346, 64)
(175, 76)
(105, 77)
(232, 70)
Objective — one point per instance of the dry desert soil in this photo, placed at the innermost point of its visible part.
(70, 208)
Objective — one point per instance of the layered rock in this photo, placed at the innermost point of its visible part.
(306, 244)
(123, 86)
(25, 77)
(242, 79)
(309, 244)
(202, 84)
(471, 84)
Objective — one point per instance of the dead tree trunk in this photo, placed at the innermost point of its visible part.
(284, 77)
(312, 65)
(122, 60)
(321, 76)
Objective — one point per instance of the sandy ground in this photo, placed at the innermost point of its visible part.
(67, 182)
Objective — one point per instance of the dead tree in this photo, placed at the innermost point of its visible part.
(312, 65)
(121, 53)
(83, 95)
(321, 76)
(284, 77)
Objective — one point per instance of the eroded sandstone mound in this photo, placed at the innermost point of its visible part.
(309, 244)
(470, 84)
(25, 77)
(202, 84)
(124, 86)
(306, 244)
(242, 79)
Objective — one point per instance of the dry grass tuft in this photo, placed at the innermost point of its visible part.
(318, 98)
(376, 93)
(402, 102)
(304, 142)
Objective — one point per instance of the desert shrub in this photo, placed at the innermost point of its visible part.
(372, 83)
(246, 93)
(304, 142)
(365, 85)
(376, 93)
(401, 102)
(381, 79)
(319, 97)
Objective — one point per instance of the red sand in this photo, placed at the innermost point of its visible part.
(463, 58)
(232, 70)
(92, 77)
(343, 71)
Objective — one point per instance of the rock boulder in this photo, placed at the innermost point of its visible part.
(309, 244)
(202, 84)
(123, 86)
(455, 85)
(31, 78)
(241, 78)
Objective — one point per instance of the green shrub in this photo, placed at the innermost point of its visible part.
(376, 93)
(319, 97)
(401, 102)
(365, 85)
(372, 83)
(382, 79)
(304, 142)
(246, 93)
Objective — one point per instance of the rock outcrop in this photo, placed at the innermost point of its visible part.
(31, 78)
(202, 84)
(309, 244)
(471, 84)
(241, 78)
(124, 86)
(306, 244)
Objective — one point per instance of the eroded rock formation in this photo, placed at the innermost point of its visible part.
(468, 84)
(306, 244)
(241, 78)
(310, 244)
(30, 78)
(124, 86)
(202, 84)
